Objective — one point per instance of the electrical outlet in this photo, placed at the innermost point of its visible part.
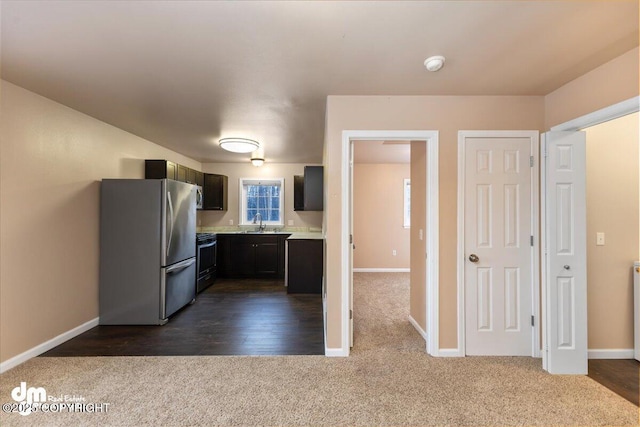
(600, 239)
(290, 222)
(199, 222)
(395, 252)
(230, 222)
(421, 234)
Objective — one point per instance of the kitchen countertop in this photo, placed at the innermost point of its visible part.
(250, 233)
(295, 233)
(306, 236)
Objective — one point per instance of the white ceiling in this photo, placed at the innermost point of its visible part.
(184, 74)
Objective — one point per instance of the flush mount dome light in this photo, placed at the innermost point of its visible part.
(434, 63)
(238, 145)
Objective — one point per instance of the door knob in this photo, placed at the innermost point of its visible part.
(567, 267)
(474, 258)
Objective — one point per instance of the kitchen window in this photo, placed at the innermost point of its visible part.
(263, 196)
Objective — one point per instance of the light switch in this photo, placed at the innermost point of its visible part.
(420, 233)
(600, 239)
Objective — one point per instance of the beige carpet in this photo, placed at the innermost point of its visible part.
(388, 380)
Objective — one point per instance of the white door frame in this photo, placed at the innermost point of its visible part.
(612, 112)
(431, 139)
(535, 249)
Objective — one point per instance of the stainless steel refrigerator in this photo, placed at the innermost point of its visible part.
(147, 250)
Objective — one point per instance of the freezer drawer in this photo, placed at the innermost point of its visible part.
(178, 286)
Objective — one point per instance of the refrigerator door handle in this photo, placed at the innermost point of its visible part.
(170, 219)
(180, 266)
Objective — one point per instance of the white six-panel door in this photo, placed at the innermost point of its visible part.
(565, 280)
(497, 245)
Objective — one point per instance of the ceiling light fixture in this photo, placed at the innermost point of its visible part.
(257, 157)
(434, 63)
(238, 145)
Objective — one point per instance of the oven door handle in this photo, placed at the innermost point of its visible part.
(206, 245)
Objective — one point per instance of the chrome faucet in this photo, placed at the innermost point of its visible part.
(261, 227)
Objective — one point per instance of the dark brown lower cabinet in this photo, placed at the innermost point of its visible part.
(251, 255)
(304, 266)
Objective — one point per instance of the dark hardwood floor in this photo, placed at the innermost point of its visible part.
(232, 317)
(620, 376)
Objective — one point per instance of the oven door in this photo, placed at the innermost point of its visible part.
(206, 264)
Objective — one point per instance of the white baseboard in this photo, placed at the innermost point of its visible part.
(614, 353)
(449, 352)
(324, 318)
(48, 345)
(335, 352)
(415, 324)
(330, 352)
(381, 270)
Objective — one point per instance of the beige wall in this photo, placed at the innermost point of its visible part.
(612, 208)
(418, 290)
(235, 171)
(613, 82)
(378, 215)
(52, 157)
(51, 161)
(446, 114)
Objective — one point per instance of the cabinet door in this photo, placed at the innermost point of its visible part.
(222, 255)
(266, 261)
(181, 174)
(199, 178)
(241, 257)
(305, 266)
(172, 170)
(191, 176)
(215, 192)
(159, 169)
(313, 191)
(298, 193)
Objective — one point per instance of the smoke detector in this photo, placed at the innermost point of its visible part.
(434, 63)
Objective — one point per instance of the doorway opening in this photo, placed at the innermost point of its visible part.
(381, 246)
(424, 311)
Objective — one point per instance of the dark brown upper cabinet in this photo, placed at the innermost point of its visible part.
(191, 176)
(199, 178)
(160, 169)
(307, 189)
(298, 193)
(182, 173)
(313, 188)
(215, 192)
